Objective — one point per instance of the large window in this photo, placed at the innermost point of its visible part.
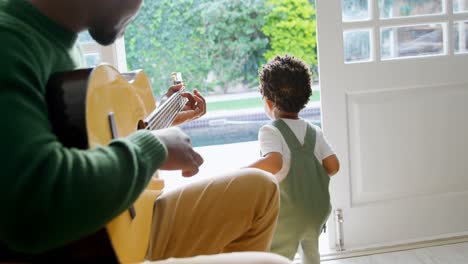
(91, 50)
(219, 46)
(395, 29)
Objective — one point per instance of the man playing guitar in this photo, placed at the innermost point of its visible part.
(52, 195)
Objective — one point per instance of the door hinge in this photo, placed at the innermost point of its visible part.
(339, 241)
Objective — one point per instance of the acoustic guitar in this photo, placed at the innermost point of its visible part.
(90, 107)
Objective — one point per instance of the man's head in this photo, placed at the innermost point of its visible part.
(105, 19)
(109, 18)
(285, 80)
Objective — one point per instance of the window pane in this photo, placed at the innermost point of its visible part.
(421, 40)
(460, 41)
(355, 10)
(92, 59)
(357, 45)
(460, 6)
(84, 37)
(405, 8)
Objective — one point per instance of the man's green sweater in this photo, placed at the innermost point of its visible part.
(49, 194)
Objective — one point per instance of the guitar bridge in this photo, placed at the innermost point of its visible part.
(113, 128)
(132, 212)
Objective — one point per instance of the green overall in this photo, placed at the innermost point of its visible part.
(305, 199)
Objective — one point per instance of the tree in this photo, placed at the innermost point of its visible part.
(290, 27)
(198, 37)
(167, 36)
(235, 40)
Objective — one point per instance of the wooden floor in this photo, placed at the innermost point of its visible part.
(447, 254)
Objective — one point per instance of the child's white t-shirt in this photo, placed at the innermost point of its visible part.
(271, 140)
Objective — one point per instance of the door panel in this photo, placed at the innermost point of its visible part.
(394, 89)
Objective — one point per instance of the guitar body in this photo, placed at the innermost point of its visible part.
(89, 108)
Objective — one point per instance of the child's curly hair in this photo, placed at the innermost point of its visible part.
(286, 81)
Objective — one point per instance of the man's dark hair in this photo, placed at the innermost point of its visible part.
(286, 81)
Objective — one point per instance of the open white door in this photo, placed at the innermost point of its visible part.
(394, 86)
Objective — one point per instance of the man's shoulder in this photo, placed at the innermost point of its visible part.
(15, 48)
(10, 23)
(18, 54)
(14, 35)
(17, 37)
(11, 38)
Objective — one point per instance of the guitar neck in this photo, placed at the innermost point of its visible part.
(163, 116)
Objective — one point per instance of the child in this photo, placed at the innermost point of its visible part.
(298, 155)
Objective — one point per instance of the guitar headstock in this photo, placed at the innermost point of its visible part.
(176, 78)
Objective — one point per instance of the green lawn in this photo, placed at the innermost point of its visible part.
(247, 103)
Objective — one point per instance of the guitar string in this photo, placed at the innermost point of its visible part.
(176, 110)
(171, 115)
(167, 118)
(156, 118)
(164, 117)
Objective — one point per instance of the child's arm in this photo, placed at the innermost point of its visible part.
(323, 151)
(269, 139)
(271, 162)
(331, 164)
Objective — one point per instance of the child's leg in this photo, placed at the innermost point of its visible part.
(310, 250)
(285, 242)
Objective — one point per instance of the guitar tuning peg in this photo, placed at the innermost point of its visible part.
(176, 78)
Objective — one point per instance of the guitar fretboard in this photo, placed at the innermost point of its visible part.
(164, 115)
